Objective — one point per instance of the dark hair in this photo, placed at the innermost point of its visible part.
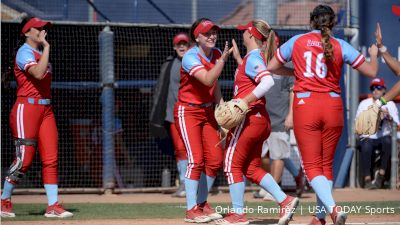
(193, 27)
(323, 19)
(9, 72)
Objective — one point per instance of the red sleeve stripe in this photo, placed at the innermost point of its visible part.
(195, 69)
(260, 75)
(28, 65)
(279, 56)
(359, 60)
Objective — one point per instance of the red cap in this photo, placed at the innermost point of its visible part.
(252, 30)
(377, 82)
(36, 23)
(204, 27)
(180, 37)
(396, 10)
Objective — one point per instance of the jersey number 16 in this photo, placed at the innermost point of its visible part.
(320, 67)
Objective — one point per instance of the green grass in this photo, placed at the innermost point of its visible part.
(87, 211)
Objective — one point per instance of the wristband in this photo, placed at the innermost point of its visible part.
(383, 101)
(382, 49)
(221, 59)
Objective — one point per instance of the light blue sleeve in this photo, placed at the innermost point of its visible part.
(254, 65)
(191, 62)
(284, 53)
(350, 54)
(24, 57)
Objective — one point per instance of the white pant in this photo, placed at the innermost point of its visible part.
(278, 143)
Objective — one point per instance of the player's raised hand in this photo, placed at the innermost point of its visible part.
(378, 35)
(227, 51)
(42, 38)
(373, 50)
(236, 52)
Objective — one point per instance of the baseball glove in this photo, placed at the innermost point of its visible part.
(230, 114)
(367, 122)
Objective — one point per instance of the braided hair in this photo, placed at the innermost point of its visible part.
(323, 18)
(9, 72)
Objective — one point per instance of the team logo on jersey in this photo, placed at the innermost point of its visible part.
(258, 68)
(301, 102)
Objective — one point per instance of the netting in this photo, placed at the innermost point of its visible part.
(76, 91)
(227, 12)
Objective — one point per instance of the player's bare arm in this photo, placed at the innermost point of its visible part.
(236, 52)
(275, 67)
(38, 71)
(209, 77)
(392, 63)
(370, 69)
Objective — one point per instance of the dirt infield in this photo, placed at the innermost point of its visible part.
(342, 195)
(354, 219)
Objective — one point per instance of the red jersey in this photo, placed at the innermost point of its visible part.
(27, 85)
(313, 72)
(249, 74)
(192, 90)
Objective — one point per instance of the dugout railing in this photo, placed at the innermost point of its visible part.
(139, 51)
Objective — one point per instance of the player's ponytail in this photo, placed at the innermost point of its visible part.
(268, 44)
(328, 48)
(323, 19)
(9, 72)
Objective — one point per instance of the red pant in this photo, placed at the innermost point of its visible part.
(180, 150)
(244, 145)
(33, 121)
(318, 124)
(199, 132)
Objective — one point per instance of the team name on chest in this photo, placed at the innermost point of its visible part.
(314, 43)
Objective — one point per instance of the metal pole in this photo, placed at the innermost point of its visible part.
(394, 158)
(194, 10)
(266, 10)
(354, 84)
(106, 45)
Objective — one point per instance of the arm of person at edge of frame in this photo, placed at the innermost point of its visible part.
(392, 63)
(39, 70)
(209, 77)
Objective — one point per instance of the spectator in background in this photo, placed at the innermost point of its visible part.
(165, 97)
(382, 140)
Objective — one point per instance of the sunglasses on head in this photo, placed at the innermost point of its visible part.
(372, 88)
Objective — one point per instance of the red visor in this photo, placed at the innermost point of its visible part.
(36, 23)
(204, 27)
(252, 30)
(180, 37)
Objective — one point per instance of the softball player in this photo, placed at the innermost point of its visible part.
(194, 117)
(32, 119)
(243, 150)
(318, 58)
